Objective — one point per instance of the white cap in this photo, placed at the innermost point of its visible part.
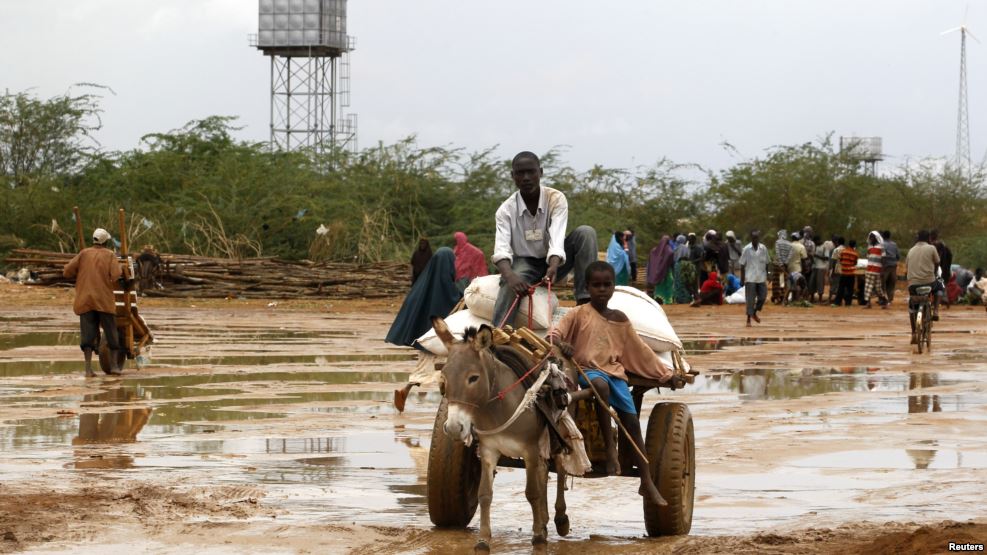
(730, 234)
(101, 236)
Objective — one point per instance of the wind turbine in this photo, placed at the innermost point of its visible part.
(963, 115)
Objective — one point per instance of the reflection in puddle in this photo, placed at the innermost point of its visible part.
(121, 426)
(754, 384)
(369, 473)
(767, 383)
(708, 345)
(920, 459)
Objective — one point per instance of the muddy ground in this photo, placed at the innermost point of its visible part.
(270, 428)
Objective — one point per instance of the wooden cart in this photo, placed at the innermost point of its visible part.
(454, 470)
(132, 331)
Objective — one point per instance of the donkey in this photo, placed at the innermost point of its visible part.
(472, 377)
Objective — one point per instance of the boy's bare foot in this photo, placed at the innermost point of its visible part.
(115, 372)
(756, 318)
(650, 493)
(90, 373)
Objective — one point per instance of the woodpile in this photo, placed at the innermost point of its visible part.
(274, 278)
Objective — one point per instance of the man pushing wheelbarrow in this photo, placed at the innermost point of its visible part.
(98, 273)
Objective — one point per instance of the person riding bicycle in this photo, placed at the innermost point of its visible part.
(921, 264)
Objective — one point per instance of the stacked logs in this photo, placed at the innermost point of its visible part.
(205, 277)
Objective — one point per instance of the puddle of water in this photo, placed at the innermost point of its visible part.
(919, 459)
(29, 368)
(258, 360)
(177, 382)
(366, 474)
(259, 334)
(37, 338)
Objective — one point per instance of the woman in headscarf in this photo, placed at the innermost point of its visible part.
(681, 248)
(660, 278)
(872, 279)
(470, 262)
(420, 258)
(686, 272)
(617, 257)
(434, 294)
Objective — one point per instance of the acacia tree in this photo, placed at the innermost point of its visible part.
(46, 138)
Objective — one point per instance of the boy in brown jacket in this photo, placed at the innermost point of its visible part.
(96, 271)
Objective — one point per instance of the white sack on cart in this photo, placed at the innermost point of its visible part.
(481, 295)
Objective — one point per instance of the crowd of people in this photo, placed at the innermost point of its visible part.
(719, 268)
(834, 271)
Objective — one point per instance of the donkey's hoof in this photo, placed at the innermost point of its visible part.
(539, 539)
(562, 525)
(481, 547)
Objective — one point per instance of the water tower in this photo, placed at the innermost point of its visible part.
(310, 73)
(867, 150)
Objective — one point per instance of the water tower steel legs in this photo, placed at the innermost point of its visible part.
(301, 90)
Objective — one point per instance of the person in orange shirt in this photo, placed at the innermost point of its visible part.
(603, 340)
(96, 271)
(848, 273)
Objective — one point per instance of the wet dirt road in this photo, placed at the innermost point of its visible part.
(271, 429)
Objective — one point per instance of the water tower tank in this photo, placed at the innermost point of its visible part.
(302, 27)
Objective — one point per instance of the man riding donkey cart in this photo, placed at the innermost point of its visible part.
(98, 272)
(507, 389)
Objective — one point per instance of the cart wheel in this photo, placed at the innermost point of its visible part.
(105, 354)
(453, 477)
(671, 448)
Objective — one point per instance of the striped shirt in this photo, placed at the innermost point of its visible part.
(848, 261)
(875, 254)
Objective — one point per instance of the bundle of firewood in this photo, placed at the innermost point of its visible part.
(199, 276)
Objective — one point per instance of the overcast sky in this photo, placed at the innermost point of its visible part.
(622, 83)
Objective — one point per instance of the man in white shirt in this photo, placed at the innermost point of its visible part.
(531, 243)
(754, 273)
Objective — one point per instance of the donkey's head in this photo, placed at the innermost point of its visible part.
(468, 375)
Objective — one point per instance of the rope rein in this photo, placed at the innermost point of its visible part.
(551, 325)
(532, 392)
(523, 406)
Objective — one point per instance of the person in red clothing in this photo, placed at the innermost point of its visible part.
(96, 271)
(873, 283)
(470, 262)
(711, 291)
(848, 272)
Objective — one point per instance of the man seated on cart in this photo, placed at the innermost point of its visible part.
(530, 244)
(603, 341)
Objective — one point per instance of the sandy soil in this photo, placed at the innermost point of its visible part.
(269, 428)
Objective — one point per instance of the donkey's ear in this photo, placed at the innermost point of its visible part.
(442, 331)
(483, 339)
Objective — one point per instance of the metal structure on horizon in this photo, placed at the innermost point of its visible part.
(866, 150)
(310, 74)
(963, 161)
